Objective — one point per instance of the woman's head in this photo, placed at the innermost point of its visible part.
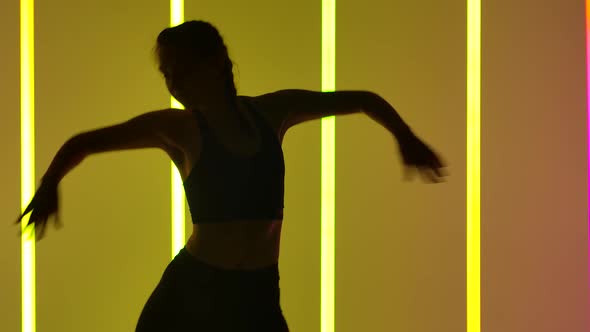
(195, 62)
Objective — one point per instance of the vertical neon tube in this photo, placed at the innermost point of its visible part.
(473, 164)
(178, 215)
(328, 171)
(27, 138)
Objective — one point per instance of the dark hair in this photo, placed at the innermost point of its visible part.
(196, 40)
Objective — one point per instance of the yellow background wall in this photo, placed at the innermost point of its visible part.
(400, 246)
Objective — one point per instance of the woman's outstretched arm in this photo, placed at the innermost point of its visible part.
(294, 106)
(67, 158)
(148, 130)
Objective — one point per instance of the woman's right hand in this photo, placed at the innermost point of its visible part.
(45, 203)
(417, 156)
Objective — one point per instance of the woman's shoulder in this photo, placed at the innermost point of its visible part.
(266, 106)
(182, 132)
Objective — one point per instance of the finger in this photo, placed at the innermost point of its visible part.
(438, 176)
(32, 218)
(58, 222)
(24, 213)
(425, 175)
(32, 204)
(440, 163)
(35, 230)
(442, 171)
(428, 175)
(438, 167)
(31, 231)
(42, 230)
(44, 226)
(437, 171)
(408, 173)
(432, 166)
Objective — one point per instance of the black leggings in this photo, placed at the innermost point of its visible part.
(195, 296)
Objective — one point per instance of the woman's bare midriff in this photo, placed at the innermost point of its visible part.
(239, 244)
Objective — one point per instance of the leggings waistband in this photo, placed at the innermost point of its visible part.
(270, 272)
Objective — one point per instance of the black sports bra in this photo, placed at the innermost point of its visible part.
(224, 186)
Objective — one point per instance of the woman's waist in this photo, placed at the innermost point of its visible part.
(244, 248)
(262, 280)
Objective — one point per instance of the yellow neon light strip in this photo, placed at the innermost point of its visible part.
(178, 215)
(27, 120)
(328, 189)
(473, 164)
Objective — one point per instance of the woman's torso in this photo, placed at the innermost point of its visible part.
(235, 244)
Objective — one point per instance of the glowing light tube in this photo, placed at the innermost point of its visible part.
(328, 188)
(473, 164)
(177, 199)
(27, 132)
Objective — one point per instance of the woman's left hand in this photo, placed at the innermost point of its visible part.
(44, 204)
(418, 155)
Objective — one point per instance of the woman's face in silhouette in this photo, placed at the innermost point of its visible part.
(188, 78)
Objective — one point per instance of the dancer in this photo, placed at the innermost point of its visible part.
(227, 148)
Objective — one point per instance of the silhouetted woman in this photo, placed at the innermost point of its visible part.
(227, 149)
